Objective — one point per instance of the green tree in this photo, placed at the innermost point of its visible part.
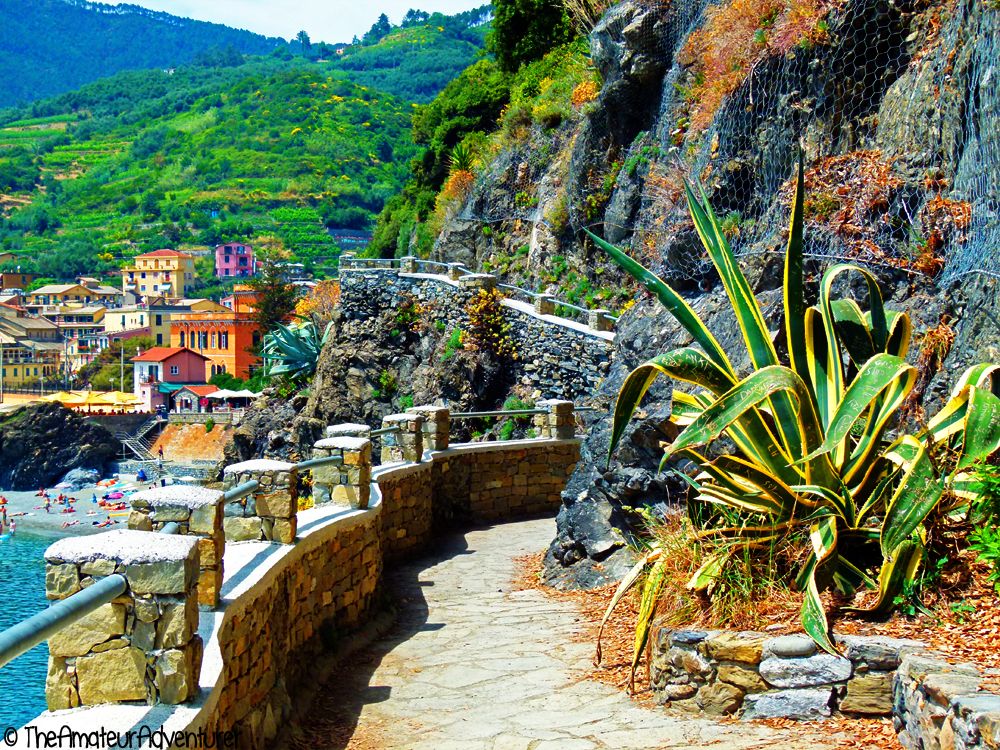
(524, 30)
(276, 297)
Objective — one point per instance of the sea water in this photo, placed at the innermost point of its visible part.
(22, 594)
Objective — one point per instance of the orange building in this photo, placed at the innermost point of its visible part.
(242, 300)
(226, 338)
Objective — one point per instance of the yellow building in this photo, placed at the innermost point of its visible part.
(161, 273)
(155, 316)
(30, 350)
(48, 299)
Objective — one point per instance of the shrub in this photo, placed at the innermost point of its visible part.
(387, 382)
(209, 424)
(489, 329)
(405, 402)
(453, 344)
(814, 457)
(584, 92)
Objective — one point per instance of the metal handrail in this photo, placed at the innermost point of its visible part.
(314, 463)
(384, 431)
(27, 634)
(498, 413)
(240, 490)
(519, 290)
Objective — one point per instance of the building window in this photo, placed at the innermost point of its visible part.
(159, 320)
(159, 339)
(203, 340)
(182, 339)
(175, 370)
(224, 340)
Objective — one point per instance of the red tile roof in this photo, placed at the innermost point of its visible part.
(164, 253)
(163, 353)
(201, 390)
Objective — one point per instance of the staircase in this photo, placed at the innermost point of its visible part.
(138, 442)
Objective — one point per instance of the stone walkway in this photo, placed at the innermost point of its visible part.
(474, 665)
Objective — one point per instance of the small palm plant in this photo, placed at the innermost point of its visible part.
(293, 350)
(817, 453)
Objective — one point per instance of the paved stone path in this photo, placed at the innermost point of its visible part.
(475, 665)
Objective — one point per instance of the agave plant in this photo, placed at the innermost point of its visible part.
(293, 350)
(817, 452)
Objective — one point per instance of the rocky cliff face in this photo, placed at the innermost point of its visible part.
(897, 109)
(369, 368)
(40, 443)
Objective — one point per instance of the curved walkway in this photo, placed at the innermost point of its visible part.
(474, 665)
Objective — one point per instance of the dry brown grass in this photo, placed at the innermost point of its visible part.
(737, 35)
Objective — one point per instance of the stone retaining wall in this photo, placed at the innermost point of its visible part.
(472, 483)
(270, 637)
(485, 482)
(934, 705)
(407, 513)
(557, 356)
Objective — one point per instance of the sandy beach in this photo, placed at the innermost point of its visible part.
(27, 510)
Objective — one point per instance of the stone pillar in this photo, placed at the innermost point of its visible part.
(475, 282)
(545, 304)
(349, 483)
(436, 429)
(347, 429)
(198, 512)
(142, 646)
(559, 423)
(269, 513)
(456, 271)
(408, 264)
(405, 445)
(600, 319)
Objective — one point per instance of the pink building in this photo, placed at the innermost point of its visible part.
(163, 370)
(234, 260)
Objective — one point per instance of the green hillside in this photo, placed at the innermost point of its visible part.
(216, 152)
(50, 46)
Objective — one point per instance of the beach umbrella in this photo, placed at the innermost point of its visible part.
(119, 398)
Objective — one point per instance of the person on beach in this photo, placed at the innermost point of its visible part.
(48, 505)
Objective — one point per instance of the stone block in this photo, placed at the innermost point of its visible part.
(176, 678)
(942, 688)
(210, 552)
(284, 530)
(146, 610)
(811, 671)
(99, 568)
(61, 580)
(743, 647)
(742, 677)
(104, 623)
(720, 699)
(167, 513)
(242, 529)
(689, 661)
(205, 520)
(163, 576)
(803, 704)
(877, 652)
(60, 686)
(275, 504)
(178, 622)
(677, 692)
(869, 693)
(112, 676)
(139, 521)
(789, 646)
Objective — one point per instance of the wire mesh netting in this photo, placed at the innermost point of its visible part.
(896, 104)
